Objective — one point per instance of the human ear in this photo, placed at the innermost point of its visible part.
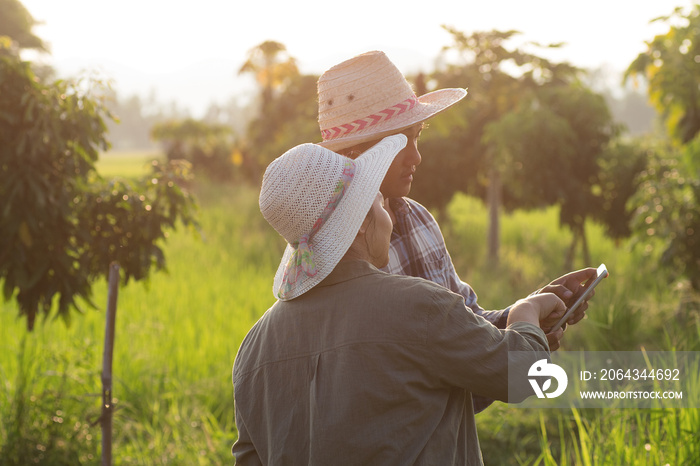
(365, 225)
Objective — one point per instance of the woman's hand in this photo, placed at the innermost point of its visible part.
(536, 308)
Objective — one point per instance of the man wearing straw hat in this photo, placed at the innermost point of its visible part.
(366, 98)
(354, 366)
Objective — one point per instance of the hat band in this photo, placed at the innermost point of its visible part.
(302, 260)
(371, 120)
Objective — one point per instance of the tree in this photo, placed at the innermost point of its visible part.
(588, 116)
(671, 66)
(291, 119)
(621, 164)
(288, 112)
(208, 146)
(668, 210)
(16, 23)
(525, 144)
(669, 194)
(232, 113)
(272, 68)
(549, 152)
(499, 79)
(130, 128)
(60, 223)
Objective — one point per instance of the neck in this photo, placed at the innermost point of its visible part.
(387, 206)
(358, 251)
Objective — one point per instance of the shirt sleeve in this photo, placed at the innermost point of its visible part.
(244, 450)
(449, 277)
(466, 351)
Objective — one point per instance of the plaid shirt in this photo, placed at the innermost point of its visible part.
(418, 249)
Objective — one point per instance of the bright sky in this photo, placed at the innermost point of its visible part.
(190, 52)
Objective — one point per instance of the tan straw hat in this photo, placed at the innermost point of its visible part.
(367, 98)
(317, 200)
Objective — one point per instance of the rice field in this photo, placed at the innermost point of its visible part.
(177, 336)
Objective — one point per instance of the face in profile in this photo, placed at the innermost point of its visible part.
(398, 180)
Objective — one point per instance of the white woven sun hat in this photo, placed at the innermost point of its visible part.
(367, 98)
(317, 200)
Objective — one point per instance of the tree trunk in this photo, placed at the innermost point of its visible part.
(584, 245)
(579, 231)
(494, 201)
(569, 261)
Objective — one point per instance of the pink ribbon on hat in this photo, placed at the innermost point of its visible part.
(302, 260)
(370, 120)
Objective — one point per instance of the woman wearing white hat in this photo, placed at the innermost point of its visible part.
(353, 365)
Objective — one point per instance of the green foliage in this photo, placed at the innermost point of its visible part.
(55, 208)
(291, 120)
(620, 164)
(50, 137)
(588, 117)
(535, 149)
(528, 135)
(671, 66)
(549, 149)
(667, 214)
(16, 23)
(668, 210)
(499, 79)
(207, 146)
(128, 220)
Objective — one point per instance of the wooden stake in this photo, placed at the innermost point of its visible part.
(107, 407)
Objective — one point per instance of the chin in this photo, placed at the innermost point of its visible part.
(397, 191)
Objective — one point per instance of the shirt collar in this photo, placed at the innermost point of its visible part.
(347, 270)
(401, 208)
(399, 205)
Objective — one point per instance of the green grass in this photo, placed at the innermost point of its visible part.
(129, 164)
(177, 336)
(635, 307)
(176, 339)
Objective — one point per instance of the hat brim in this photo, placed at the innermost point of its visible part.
(333, 239)
(428, 106)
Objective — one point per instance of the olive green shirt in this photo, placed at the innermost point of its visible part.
(369, 368)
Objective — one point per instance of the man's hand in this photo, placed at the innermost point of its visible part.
(567, 288)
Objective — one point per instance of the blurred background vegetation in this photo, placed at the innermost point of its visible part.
(537, 172)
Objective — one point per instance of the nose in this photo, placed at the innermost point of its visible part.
(412, 157)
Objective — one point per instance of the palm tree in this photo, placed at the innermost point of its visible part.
(272, 68)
